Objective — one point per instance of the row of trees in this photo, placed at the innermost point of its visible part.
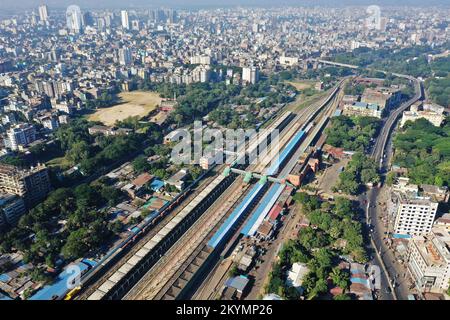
(425, 150)
(334, 231)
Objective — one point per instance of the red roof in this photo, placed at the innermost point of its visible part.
(275, 212)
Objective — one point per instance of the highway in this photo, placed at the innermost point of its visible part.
(390, 267)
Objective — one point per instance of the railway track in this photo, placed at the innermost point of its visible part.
(171, 263)
(132, 251)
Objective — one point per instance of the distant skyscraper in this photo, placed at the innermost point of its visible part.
(74, 19)
(43, 13)
(101, 24)
(135, 25)
(88, 20)
(125, 19)
(124, 56)
(171, 16)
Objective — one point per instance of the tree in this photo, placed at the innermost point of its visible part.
(342, 296)
(390, 178)
(234, 271)
(140, 164)
(320, 287)
(76, 245)
(78, 151)
(340, 277)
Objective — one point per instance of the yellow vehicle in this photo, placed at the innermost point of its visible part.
(72, 293)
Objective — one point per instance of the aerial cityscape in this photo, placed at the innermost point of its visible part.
(193, 151)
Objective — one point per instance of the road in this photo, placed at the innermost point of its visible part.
(390, 267)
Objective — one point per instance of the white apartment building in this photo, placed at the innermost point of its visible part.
(414, 215)
(429, 262)
(12, 207)
(43, 13)
(21, 136)
(125, 56)
(250, 75)
(201, 59)
(432, 113)
(288, 61)
(125, 19)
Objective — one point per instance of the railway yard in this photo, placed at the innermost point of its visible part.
(173, 259)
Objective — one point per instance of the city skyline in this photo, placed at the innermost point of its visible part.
(28, 4)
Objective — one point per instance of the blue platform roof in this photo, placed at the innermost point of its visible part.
(235, 215)
(359, 280)
(4, 277)
(60, 287)
(262, 210)
(285, 153)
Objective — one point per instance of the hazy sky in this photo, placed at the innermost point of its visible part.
(12, 4)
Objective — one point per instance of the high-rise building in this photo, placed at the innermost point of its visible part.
(135, 25)
(43, 13)
(171, 16)
(414, 215)
(250, 75)
(21, 136)
(74, 19)
(124, 56)
(32, 184)
(125, 20)
(101, 24)
(88, 20)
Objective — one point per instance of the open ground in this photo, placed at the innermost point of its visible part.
(131, 104)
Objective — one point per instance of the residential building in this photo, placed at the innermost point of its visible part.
(43, 13)
(414, 215)
(385, 98)
(363, 109)
(433, 114)
(296, 274)
(124, 56)
(32, 184)
(125, 19)
(250, 75)
(74, 19)
(288, 61)
(429, 262)
(50, 122)
(438, 194)
(12, 207)
(178, 180)
(21, 136)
